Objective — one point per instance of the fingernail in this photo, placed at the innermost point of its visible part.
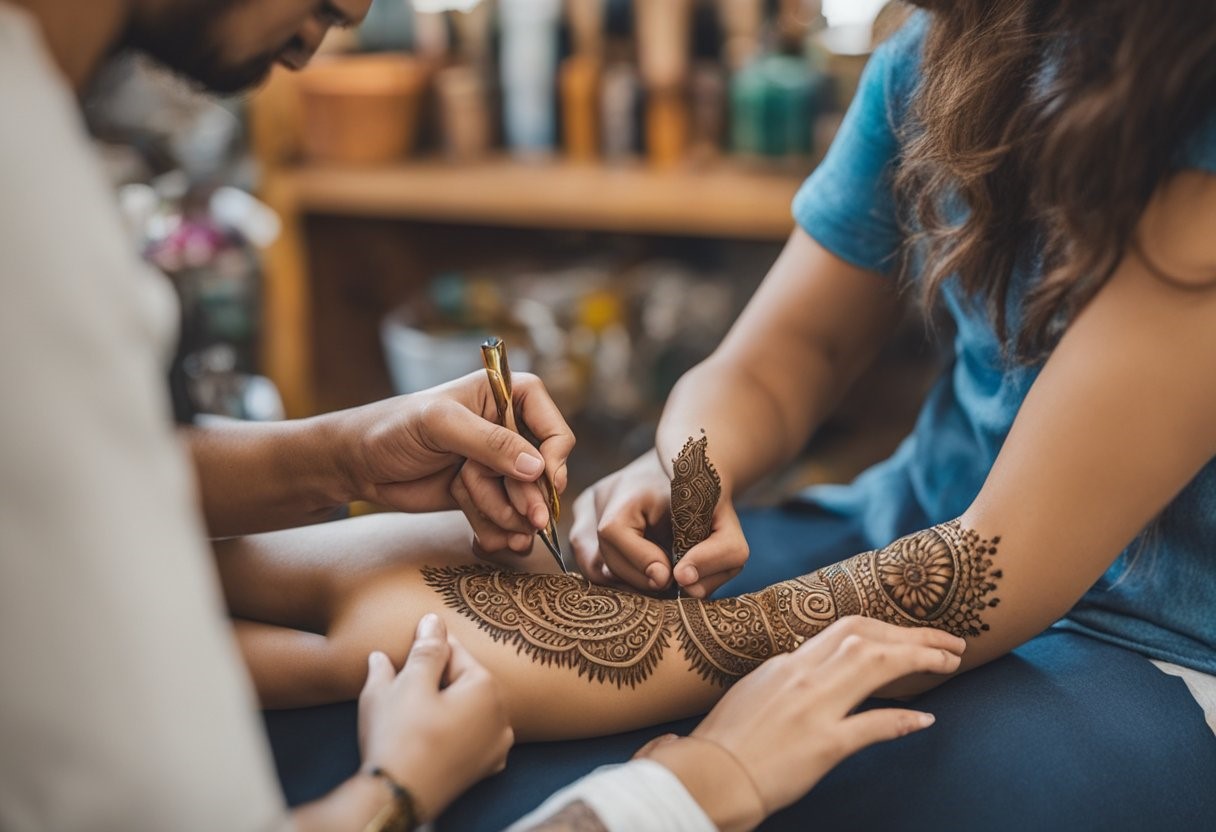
(926, 720)
(540, 517)
(605, 571)
(528, 465)
(429, 625)
(656, 573)
(688, 574)
(372, 658)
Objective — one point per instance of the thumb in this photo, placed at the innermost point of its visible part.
(465, 433)
(428, 658)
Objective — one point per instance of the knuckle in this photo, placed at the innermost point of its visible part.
(506, 515)
(435, 410)
(500, 440)
(853, 646)
(426, 648)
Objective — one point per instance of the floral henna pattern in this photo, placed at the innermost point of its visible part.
(941, 577)
(695, 489)
(602, 633)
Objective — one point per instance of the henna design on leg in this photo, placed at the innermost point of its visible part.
(603, 633)
(695, 489)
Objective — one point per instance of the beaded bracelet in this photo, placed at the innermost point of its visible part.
(401, 815)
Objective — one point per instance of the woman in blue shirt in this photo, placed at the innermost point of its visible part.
(1045, 171)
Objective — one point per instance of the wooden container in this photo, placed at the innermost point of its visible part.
(361, 109)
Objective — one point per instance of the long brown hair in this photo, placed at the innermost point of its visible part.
(1053, 121)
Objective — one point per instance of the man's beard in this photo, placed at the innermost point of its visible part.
(186, 45)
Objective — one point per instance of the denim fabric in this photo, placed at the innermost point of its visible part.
(1166, 606)
(1065, 733)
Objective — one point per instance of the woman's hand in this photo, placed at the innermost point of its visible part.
(441, 449)
(622, 534)
(784, 726)
(439, 725)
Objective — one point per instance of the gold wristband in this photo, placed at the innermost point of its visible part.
(399, 815)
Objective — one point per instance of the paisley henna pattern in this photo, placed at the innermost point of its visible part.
(603, 633)
(941, 577)
(695, 489)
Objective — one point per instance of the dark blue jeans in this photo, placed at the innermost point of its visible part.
(1064, 733)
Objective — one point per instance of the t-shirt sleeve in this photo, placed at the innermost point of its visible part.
(847, 204)
(1199, 151)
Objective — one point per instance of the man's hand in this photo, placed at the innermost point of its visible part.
(439, 725)
(441, 449)
(622, 534)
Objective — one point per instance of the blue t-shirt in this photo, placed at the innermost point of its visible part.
(1164, 607)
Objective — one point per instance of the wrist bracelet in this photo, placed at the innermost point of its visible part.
(400, 815)
(738, 764)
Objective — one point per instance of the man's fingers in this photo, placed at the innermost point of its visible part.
(453, 428)
(528, 502)
(868, 727)
(428, 658)
(485, 488)
(538, 412)
(488, 536)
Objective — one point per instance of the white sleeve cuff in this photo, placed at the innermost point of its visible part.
(641, 794)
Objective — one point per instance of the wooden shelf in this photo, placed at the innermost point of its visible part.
(722, 200)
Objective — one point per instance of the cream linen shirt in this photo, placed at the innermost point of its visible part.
(123, 704)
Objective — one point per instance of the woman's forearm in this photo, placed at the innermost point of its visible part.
(756, 423)
(813, 326)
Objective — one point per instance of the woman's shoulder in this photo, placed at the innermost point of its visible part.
(896, 63)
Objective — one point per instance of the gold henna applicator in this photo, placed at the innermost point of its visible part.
(494, 355)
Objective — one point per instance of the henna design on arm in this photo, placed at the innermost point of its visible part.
(940, 577)
(695, 489)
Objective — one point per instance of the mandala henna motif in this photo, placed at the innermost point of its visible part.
(695, 489)
(603, 633)
(941, 577)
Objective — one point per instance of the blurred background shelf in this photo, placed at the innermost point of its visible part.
(721, 199)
